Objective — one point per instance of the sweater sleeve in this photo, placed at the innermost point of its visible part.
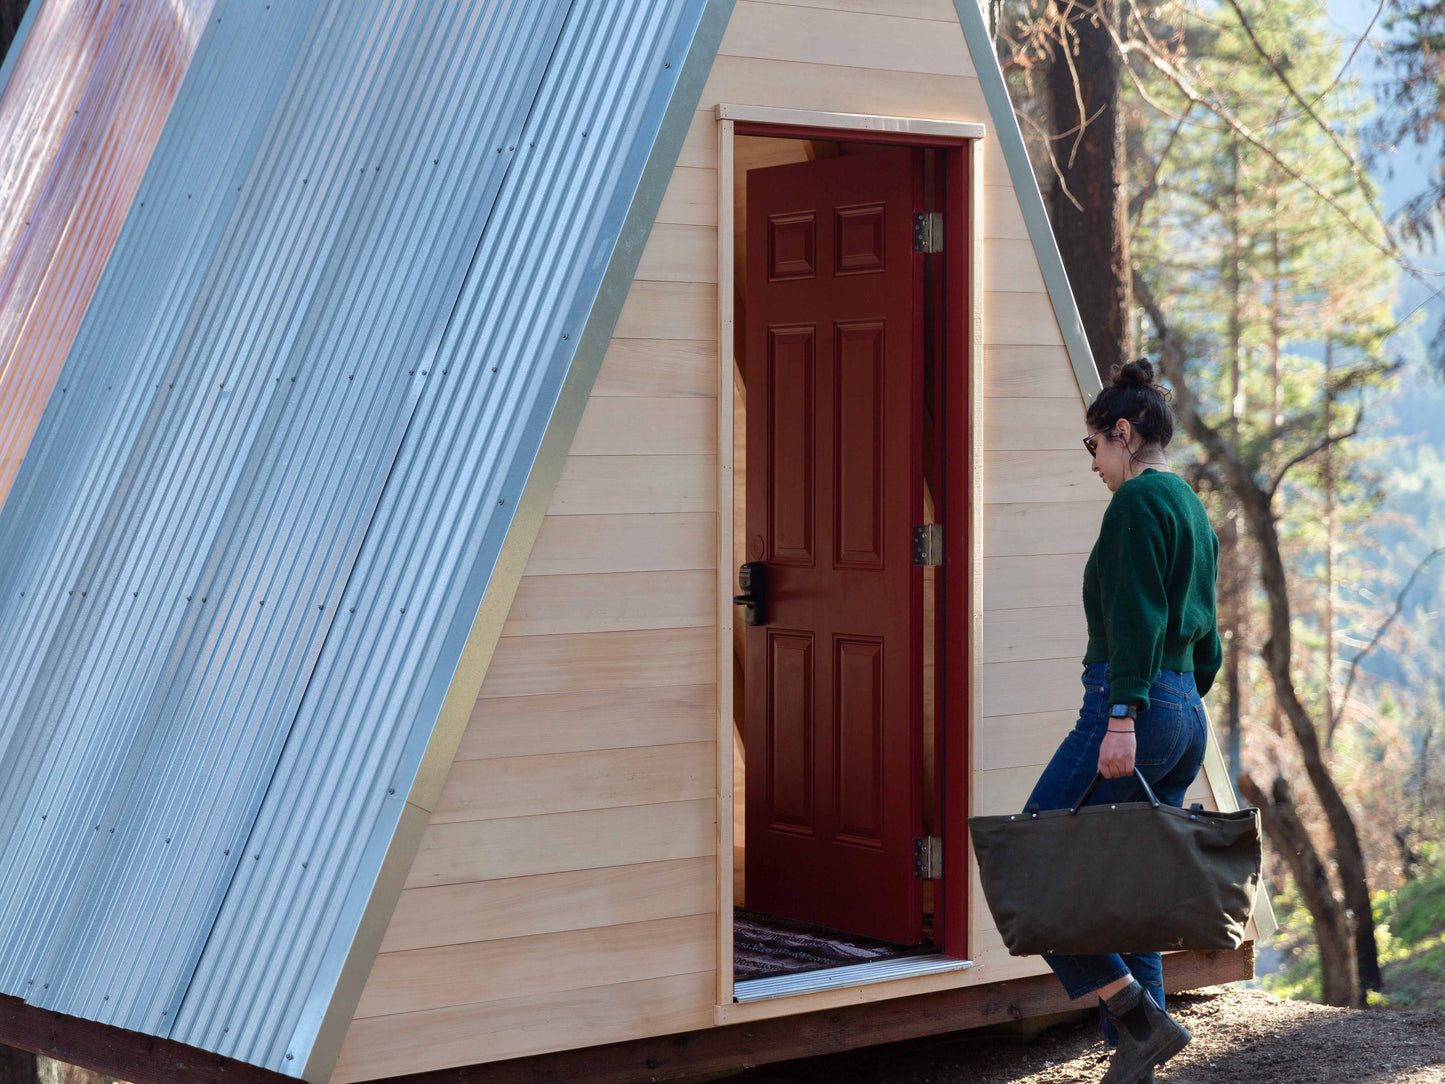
(1133, 560)
(1208, 658)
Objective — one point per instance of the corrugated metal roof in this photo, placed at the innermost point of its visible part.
(254, 529)
(78, 123)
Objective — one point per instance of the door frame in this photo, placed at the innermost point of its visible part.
(963, 327)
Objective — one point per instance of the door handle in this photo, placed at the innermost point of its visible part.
(751, 578)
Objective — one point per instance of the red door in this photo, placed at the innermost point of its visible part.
(833, 720)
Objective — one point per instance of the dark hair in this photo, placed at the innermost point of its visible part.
(1134, 394)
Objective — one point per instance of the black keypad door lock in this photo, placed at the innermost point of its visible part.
(751, 578)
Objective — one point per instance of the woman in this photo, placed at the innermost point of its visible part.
(1153, 651)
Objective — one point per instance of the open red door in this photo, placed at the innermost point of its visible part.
(833, 720)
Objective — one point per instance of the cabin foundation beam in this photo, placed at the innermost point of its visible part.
(113, 1051)
(829, 1031)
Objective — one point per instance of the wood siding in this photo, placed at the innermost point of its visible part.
(565, 891)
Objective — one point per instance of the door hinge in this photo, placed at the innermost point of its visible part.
(928, 858)
(928, 232)
(928, 544)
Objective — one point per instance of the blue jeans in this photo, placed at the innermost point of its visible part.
(1169, 750)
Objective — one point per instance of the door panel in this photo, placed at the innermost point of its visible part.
(833, 710)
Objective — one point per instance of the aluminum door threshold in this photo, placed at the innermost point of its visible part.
(835, 978)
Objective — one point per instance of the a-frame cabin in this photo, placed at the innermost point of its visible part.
(376, 701)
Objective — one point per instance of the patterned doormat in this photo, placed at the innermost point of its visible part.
(767, 945)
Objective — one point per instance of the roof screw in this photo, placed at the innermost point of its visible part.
(352, 610)
(228, 850)
(494, 368)
(321, 605)
(290, 1057)
(666, 64)
(501, 500)
(167, 840)
(305, 864)
(564, 338)
(391, 790)
(584, 135)
(257, 857)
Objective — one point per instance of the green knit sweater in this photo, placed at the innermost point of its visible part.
(1149, 588)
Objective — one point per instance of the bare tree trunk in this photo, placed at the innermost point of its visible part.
(1338, 977)
(17, 1066)
(1234, 579)
(1088, 203)
(1258, 505)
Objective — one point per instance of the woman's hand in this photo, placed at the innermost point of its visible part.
(1116, 754)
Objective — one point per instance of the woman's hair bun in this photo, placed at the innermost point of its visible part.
(1133, 374)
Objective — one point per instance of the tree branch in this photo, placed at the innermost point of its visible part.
(1313, 449)
(1374, 640)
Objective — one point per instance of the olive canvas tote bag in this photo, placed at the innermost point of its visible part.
(1128, 877)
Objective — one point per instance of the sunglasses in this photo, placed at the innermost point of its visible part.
(1091, 442)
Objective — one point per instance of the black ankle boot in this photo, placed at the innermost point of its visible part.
(1148, 1036)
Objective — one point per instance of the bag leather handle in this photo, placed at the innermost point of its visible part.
(1099, 778)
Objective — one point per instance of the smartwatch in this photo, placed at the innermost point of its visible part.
(1123, 711)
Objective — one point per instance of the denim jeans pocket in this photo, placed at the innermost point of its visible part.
(1158, 731)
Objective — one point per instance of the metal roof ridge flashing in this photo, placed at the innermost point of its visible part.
(1031, 201)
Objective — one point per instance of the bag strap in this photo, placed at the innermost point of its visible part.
(1099, 778)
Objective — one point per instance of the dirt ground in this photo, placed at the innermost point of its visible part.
(1241, 1036)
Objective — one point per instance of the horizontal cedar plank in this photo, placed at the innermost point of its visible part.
(699, 147)
(517, 726)
(1021, 318)
(644, 425)
(1012, 741)
(935, 10)
(770, 31)
(1023, 688)
(840, 89)
(486, 971)
(1032, 529)
(1002, 219)
(661, 367)
(679, 253)
(1038, 632)
(559, 782)
(573, 545)
(1034, 424)
(525, 665)
(550, 902)
(690, 199)
(463, 1035)
(1013, 583)
(669, 310)
(611, 484)
(612, 601)
(1048, 477)
(1025, 372)
(993, 166)
(591, 839)
(717, 1051)
(1011, 265)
